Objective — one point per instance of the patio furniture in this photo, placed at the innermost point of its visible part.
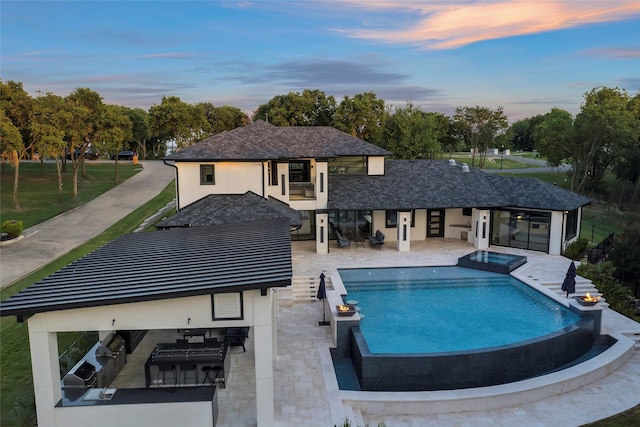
(377, 240)
(342, 241)
(236, 337)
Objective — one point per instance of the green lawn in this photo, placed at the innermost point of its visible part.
(15, 361)
(38, 189)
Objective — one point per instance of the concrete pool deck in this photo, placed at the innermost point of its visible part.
(306, 391)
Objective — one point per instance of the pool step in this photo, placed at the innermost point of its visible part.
(305, 289)
(582, 287)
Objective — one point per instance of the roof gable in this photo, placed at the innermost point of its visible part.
(165, 264)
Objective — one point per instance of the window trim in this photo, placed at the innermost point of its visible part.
(203, 174)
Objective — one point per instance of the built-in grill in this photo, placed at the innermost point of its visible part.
(111, 355)
(83, 376)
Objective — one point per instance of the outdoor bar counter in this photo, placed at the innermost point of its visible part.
(186, 362)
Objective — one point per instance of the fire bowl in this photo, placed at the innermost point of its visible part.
(345, 310)
(583, 301)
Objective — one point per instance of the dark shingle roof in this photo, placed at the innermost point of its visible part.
(262, 141)
(231, 208)
(426, 184)
(165, 264)
(533, 193)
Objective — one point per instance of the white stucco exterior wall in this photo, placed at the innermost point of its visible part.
(322, 233)
(264, 349)
(556, 232)
(403, 232)
(480, 228)
(230, 178)
(375, 165)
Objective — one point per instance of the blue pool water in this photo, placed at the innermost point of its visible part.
(443, 309)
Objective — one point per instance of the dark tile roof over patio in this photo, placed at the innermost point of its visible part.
(231, 208)
(165, 264)
(426, 184)
(262, 141)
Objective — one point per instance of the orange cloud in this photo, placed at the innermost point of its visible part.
(448, 25)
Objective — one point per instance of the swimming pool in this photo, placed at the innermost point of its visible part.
(436, 309)
(438, 328)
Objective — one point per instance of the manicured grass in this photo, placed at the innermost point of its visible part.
(38, 188)
(495, 164)
(15, 361)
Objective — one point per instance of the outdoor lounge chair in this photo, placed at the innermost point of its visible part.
(377, 240)
(342, 241)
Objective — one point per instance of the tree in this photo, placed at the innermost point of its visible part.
(10, 145)
(363, 116)
(520, 134)
(603, 125)
(309, 108)
(480, 126)
(625, 255)
(177, 121)
(555, 136)
(17, 109)
(47, 130)
(411, 133)
(82, 123)
(626, 166)
(114, 129)
(140, 130)
(223, 118)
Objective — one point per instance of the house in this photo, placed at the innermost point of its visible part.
(183, 279)
(334, 179)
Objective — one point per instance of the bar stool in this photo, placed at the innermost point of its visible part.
(189, 374)
(217, 375)
(163, 370)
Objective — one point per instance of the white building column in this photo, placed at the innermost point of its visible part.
(322, 233)
(481, 225)
(404, 231)
(556, 232)
(263, 347)
(46, 369)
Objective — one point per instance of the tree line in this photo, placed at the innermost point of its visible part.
(603, 137)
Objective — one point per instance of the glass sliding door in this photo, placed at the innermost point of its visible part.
(521, 229)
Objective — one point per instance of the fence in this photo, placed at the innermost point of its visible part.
(600, 252)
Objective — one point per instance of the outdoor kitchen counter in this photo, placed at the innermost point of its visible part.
(181, 356)
(127, 396)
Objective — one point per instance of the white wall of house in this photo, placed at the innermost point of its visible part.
(322, 233)
(456, 225)
(230, 178)
(403, 232)
(375, 165)
(480, 228)
(556, 232)
(177, 313)
(321, 184)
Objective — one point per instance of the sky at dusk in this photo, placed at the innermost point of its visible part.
(526, 56)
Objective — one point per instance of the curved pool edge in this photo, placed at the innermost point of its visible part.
(493, 397)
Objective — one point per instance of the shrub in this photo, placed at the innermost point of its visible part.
(576, 249)
(12, 227)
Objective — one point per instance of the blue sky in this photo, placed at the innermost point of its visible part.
(526, 56)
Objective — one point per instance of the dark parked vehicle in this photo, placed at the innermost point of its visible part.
(89, 155)
(123, 155)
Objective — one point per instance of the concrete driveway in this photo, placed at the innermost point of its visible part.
(51, 239)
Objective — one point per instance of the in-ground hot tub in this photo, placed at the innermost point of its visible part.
(441, 328)
(492, 261)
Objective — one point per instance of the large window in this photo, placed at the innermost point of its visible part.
(521, 229)
(391, 218)
(348, 164)
(300, 171)
(207, 175)
(571, 225)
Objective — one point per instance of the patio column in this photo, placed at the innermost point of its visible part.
(404, 231)
(481, 226)
(46, 369)
(556, 232)
(263, 326)
(322, 232)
